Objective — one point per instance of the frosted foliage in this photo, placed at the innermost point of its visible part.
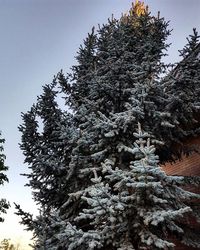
(78, 237)
(95, 176)
(126, 245)
(135, 205)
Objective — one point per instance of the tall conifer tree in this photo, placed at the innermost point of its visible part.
(183, 89)
(120, 80)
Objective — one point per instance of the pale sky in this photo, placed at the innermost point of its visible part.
(37, 39)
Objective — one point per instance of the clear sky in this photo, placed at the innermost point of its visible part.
(37, 39)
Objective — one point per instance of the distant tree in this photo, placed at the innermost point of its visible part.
(7, 245)
(4, 205)
(120, 80)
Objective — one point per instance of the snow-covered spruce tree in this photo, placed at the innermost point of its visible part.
(124, 57)
(116, 84)
(4, 205)
(137, 208)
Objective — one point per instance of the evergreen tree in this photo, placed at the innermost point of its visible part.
(117, 83)
(137, 208)
(48, 138)
(193, 42)
(5, 244)
(47, 143)
(182, 87)
(4, 205)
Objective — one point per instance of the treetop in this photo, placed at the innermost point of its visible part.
(137, 10)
